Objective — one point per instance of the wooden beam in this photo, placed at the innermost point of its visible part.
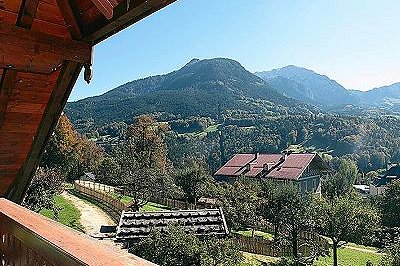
(27, 13)
(126, 19)
(65, 82)
(106, 7)
(6, 86)
(70, 19)
(26, 50)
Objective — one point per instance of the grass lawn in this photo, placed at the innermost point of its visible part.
(256, 233)
(346, 257)
(350, 257)
(123, 198)
(251, 259)
(68, 214)
(151, 206)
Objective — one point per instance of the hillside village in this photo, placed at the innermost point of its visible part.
(277, 205)
(281, 186)
(234, 158)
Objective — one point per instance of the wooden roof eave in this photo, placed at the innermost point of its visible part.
(37, 55)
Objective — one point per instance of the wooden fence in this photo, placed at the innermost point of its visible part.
(112, 205)
(97, 186)
(181, 205)
(259, 245)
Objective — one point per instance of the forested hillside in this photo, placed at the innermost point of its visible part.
(216, 88)
(216, 108)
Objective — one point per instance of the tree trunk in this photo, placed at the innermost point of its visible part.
(295, 251)
(276, 230)
(335, 247)
(252, 232)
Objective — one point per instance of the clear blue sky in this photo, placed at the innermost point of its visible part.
(356, 42)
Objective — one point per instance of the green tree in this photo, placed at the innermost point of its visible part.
(345, 218)
(340, 183)
(108, 171)
(290, 212)
(137, 181)
(220, 252)
(193, 179)
(46, 183)
(389, 204)
(239, 201)
(392, 257)
(146, 138)
(143, 161)
(175, 247)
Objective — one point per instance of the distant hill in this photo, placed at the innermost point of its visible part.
(306, 85)
(216, 88)
(387, 97)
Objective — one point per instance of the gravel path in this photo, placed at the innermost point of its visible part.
(92, 217)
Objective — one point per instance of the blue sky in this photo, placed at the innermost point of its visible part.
(355, 42)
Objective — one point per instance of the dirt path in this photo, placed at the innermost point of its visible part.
(363, 249)
(92, 217)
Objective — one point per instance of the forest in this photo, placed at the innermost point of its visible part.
(139, 163)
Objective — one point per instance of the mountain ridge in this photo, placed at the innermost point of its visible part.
(215, 88)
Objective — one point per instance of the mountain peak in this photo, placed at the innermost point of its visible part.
(306, 85)
(193, 61)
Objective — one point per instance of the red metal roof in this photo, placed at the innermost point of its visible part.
(278, 166)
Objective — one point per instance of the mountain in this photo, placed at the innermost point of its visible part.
(387, 97)
(216, 88)
(306, 85)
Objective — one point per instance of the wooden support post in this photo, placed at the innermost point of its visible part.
(6, 85)
(27, 13)
(70, 19)
(66, 80)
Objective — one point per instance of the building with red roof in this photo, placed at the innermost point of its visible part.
(305, 169)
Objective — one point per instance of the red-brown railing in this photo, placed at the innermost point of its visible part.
(27, 238)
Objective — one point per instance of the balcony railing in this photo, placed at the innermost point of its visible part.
(27, 238)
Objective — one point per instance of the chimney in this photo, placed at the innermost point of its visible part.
(266, 167)
(284, 156)
(256, 155)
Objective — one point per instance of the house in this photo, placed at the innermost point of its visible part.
(88, 176)
(363, 190)
(305, 169)
(134, 226)
(378, 185)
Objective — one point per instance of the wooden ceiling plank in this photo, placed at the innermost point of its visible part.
(50, 28)
(70, 19)
(27, 49)
(10, 5)
(6, 86)
(135, 14)
(27, 13)
(8, 17)
(65, 82)
(106, 7)
(50, 13)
